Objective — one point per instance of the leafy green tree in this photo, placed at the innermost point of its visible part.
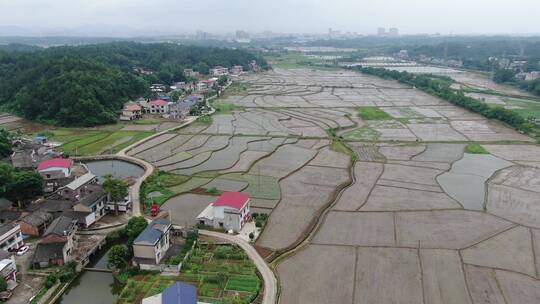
(116, 189)
(134, 227)
(118, 257)
(3, 284)
(6, 172)
(24, 185)
(222, 80)
(5, 143)
(504, 75)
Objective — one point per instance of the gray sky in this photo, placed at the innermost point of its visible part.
(311, 16)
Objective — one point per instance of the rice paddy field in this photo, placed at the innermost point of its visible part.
(385, 193)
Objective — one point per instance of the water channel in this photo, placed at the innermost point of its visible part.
(92, 287)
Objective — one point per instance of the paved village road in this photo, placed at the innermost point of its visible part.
(270, 281)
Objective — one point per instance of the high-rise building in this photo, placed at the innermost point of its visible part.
(381, 31)
(393, 32)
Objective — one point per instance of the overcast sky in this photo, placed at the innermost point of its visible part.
(310, 16)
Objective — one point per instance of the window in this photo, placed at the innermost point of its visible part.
(48, 175)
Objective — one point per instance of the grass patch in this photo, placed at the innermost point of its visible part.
(475, 149)
(341, 147)
(360, 134)
(162, 182)
(147, 121)
(224, 107)
(373, 113)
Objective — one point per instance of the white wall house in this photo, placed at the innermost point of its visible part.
(230, 211)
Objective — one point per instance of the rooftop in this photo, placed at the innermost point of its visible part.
(179, 293)
(60, 226)
(91, 194)
(48, 251)
(55, 163)
(77, 183)
(236, 200)
(37, 218)
(158, 102)
(5, 228)
(153, 232)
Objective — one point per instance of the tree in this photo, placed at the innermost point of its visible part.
(6, 172)
(116, 190)
(5, 143)
(504, 75)
(24, 185)
(223, 80)
(134, 227)
(3, 284)
(118, 257)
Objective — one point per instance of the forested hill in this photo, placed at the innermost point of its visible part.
(87, 85)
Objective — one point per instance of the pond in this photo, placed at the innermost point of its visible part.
(117, 168)
(92, 287)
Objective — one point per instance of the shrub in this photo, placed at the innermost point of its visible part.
(50, 280)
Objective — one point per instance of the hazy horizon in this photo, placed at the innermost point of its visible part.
(166, 17)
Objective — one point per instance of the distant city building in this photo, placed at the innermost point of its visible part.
(381, 31)
(393, 32)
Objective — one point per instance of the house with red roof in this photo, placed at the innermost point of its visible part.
(131, 111)
(158, 106)
(56, 172)
(230, 211)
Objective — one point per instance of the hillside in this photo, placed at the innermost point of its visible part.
(86, 85)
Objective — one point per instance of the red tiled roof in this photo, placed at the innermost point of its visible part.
(55, 162)
(133, 107)
(158, 102)
(236, 200)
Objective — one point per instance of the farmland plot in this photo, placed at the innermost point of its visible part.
(419, 220)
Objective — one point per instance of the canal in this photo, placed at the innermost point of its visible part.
(92, 287)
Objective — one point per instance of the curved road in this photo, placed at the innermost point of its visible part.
(270, 281)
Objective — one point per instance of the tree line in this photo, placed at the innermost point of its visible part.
(440, 86)
(87, 85)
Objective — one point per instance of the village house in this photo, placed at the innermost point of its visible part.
(131, 111)
(191, 73)
(179, 293)
(122, 206)
(181, 109)
(55, 205)
(56, 172)
(8, 269)
(11, 236)
(56, 246)
(27, 153)
(93, 199)
(74, 190)
(158, 106)
(87, 196)
(7, 216)
(35, 223)
(237, 70)
(84, 218)
(230, 211)
(152, 244)
(219, 71)
(157, 88)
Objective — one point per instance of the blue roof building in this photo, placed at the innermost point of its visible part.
(152, 244)
(179, 293)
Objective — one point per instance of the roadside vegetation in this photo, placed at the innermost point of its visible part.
(160, 184)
